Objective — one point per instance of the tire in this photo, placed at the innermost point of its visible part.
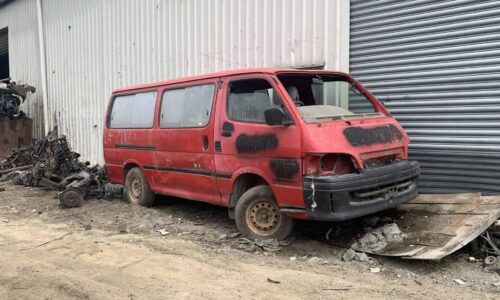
(137, 189)
(258, 216)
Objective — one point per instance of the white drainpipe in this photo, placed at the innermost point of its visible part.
(43, 67)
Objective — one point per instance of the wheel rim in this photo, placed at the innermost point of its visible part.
(71, 197)
(135, 189)
(263, 217)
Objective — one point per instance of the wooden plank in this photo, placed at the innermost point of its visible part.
(447, 198)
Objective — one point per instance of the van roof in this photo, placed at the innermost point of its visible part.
(222, 74)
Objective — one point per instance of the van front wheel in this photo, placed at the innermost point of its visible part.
(258, 216)
(137, 188)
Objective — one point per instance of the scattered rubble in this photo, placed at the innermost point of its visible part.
(11, 97)
(51, 164)
(361, 257)
(315, 260)
(378, 238)
(459, 281)
(349, 255)
(163, 232)
(269, 245)
(273, 281)
(234, 235)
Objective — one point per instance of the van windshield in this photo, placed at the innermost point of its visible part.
(326, 98)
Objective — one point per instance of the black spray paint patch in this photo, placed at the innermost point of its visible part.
(253, 143)
(284, 168)
(358, 136)
(227, 129)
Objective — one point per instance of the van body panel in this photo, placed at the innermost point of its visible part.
(318, 139)
(184, 157)
(271, 152)
(126, 146)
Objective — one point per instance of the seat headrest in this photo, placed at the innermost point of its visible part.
(293, 92)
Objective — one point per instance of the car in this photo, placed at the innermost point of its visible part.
(273, 145)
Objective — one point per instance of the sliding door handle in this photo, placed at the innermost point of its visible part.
(205, 142)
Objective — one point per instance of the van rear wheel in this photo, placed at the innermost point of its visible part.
(137, 189)
(258, 216)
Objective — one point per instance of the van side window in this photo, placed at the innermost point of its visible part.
(133, 111)
(187, 107)
(249, 98)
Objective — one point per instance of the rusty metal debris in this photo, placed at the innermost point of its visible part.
(50, 163)
(11, 97)
(487, 245)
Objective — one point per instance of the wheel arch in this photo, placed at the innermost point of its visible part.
(243, 182)
(129, 165)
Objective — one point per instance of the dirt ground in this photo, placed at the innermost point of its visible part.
(110, 249)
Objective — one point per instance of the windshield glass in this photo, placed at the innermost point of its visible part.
(326, 98)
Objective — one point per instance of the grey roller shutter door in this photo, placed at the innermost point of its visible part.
(436, 66)
(4, 43)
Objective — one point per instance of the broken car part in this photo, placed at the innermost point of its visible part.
(11, 97)
(50, 163)
(71, 197)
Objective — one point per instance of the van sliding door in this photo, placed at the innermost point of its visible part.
(185, 150)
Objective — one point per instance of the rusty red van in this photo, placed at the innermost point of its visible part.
(272, 145)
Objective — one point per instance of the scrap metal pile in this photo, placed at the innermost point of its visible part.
(11, 97)
(50, 163)
(488, 246)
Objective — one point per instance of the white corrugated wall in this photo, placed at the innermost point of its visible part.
(21, 19)
(96, 46)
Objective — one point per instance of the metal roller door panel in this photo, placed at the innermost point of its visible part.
(436, 66)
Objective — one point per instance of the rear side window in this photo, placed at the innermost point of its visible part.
(187, 107)
(249, 98)
(133, 111)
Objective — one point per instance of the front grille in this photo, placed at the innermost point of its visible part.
(379, 161)
(385, 192)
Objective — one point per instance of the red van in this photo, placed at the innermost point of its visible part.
(272, 145)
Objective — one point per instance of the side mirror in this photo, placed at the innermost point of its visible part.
(275, 115)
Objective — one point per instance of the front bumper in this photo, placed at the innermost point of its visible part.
(337, 198)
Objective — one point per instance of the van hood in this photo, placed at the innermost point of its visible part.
(362, 139)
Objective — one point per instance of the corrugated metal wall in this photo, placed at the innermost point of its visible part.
(96, 46)
(21, 20)
(436, 66)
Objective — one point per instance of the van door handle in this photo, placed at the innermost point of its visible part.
(205, 142)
